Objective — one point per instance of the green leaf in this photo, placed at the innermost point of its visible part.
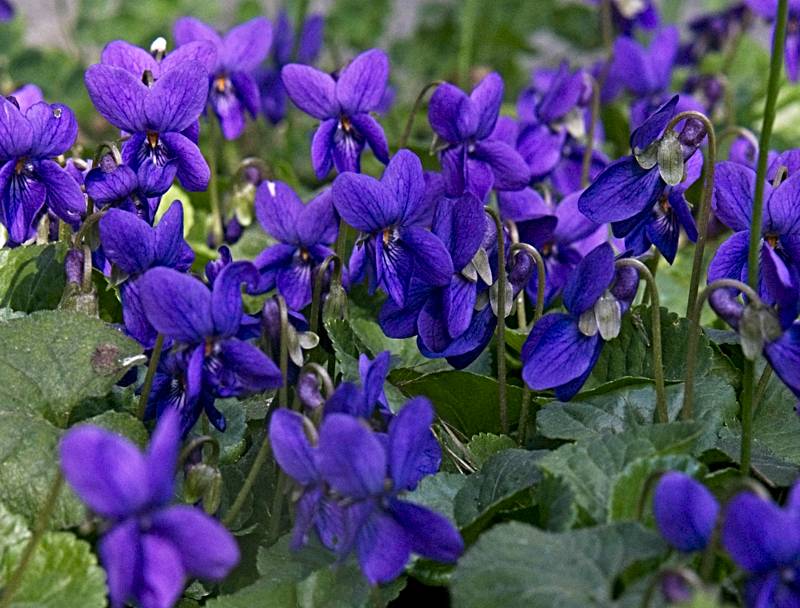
(591, 466)
(467, 401)
(32, 277)
(51, 360)
(438, 492)
(63, 572)
(122, 424)
(484, 445)
(232, 442)
(639, 476)
(502, 483)
(515, 565)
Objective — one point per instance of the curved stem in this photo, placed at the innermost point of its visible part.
(322, 374)
(277, 508)
(522, 317)
(655, 309)
(284, 352)
(588, 150)
(414, 110)
(319, 281)
(541, 279)
(502, 401)
(704, 213)
(40, 527)
(694, 338)
(152, 366)
(199, 442)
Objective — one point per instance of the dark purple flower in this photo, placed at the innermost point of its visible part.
(134, 247)
(309, 43)
(343, 106)
(562, 349)
(645, 71)
(26, 96)
(232, 88)
(150, 66)
(151, 548)
(115, 184)
(712, 32)
(633, 193)
(472, 160)
(629, 14)
(304, 232)
(362, 402)
(686, 512)
(734, 188)
(764, 541)
(30, 182)
(6, 10)
(156, 116)
(370, 471)
(204, 324)
(391, 213)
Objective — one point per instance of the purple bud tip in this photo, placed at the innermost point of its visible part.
(685, 511)
(73, 265)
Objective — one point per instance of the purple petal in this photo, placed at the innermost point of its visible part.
(404, 182)
(459, 223)
(486, 99)
(432, 324)
(311, 39)
(509, 169)
(170, 247)
(685, 511)
(203, 52)
(362, 82)
(317, 221)
(451, 114)
(429, 534)
(118, 95)
(572, 224)
(372, 131)
(782, 214)
(253, 371)
(177, 98)
(189, 29)
(178, 305)
(107, 471)
(155, 178)
(22, 202)
(245, 46)
(541, 148)
(591, 277)
(351, 458)
(54, 129)
(632, 67)
(432, 263)
(163, 576)
(277, 209)
(230, 113)
(622, 190)
(207, 549)
(383, 548)
(162, 458)
(130, 58)
(294, 283)
(734, 188)
(192, 169)
(247, 91)
(226, 298)
(108, 186)
(521, 205)
(454, 171)
(322, 147)
(16, 133)
(128, 241)
(64, 196)
(312, 91)
(365, 203)
(269, 262)
(654, 125)
(120, 554)
(136, 324)
(784, 356)
(291, 446)
(373, 375)
(413, 450)
(730, 260)
(394, 265)
(459, 302)
(401, 321)
(480, 178)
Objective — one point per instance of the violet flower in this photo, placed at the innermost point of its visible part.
(305, 234)
(343, 106)
(370, 473)
(232, 88)
(764, 540)
(685, 511)
(204, 324)
(363, 401)
(391, 214)
(768, 9)
(629, 14)
(309, 43)
(150, 548)
(30, 182)
(134, 247)
(471, 159)
(630, 193)
(26, 96)
(156, 116)
(114, 184)
(6, 10)
(734, 187)
(562, 349)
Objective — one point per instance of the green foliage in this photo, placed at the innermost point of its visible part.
(32, 278)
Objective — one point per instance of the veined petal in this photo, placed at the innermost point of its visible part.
(452, 114)
(322, 147)
(16, 133)
(413, 450)
(362, 82)
(311, 90)
(203, 52)
(364, 202)
(652, 128)
(291, 446)
(277, 209)
(177, 98)
(404, 181)
(245, 46)
(192, 169)
(128, 241)
(541, 148)
(486, 99)
(621, 191)
(734, 189)
(782, 212)
(129, 57)
(372, 131)
(54, 129)
(118, 95)
(430, 534)
(252, 370)
(509, 169)
(432, 262)
(170, 247)
(178, 305)
(64, 196)
(22, 202)
(591, 277)
(226, 297)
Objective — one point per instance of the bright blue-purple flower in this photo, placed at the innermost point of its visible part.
(712, 32)
(764, 540)
(305, 234)
(134, 247)
(30, 182)
(157, 116)
(26, 96)
(471, 159)
(632, 193)
(562, 348)
(363, 401)
(232, 89)
(204, 324)
(114, 184)
(686, 512)
(391, 214)
(734, 188)
(343, 105)
(150, 548)
(309, 43)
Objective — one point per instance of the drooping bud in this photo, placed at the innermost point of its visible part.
(758, 326)
(608, 314)
(670, 158)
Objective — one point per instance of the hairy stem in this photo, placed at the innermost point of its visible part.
(588, 150)
(502, 401)
(250, 480)
(469, 18)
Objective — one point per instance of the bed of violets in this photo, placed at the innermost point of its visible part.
(478, 347)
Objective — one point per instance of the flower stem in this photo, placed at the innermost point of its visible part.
(244, 491)
(502, 400)
(217, 230)
(40, 527)
(588, 150)
(341, 242)
(655, 309)
(319, 281)
(748, 381)
(693, 340)
(469, 18)
(152, 366)
(761, 388)
(284, 352)
(415, 110)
